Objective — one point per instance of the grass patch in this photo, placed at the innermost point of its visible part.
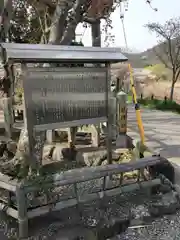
(160, 71)
(129, 98)
(163, 105)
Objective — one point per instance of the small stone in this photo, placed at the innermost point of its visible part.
(164, 188)
(177, 189)
(53, 153)
(94, 158)
(139, 212)
(12, 146)
(69, 153)
(114, 227)
(168, 204)
(48, 151)
(165, 168)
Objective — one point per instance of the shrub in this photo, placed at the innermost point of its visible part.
(164, 105)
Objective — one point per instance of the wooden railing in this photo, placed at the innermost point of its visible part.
(28, 199)
(176, 98)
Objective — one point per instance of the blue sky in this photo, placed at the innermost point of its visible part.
(136, 17)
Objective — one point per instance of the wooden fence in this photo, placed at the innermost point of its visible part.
(26, 200)
(160, 97)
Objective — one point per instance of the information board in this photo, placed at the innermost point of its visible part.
(65, 95)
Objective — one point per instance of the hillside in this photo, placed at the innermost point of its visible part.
(140, 60)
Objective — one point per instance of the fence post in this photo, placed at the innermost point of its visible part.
(22, 212)
(50, 136)
(72, 135)
(122, 140)
(8, 115)
(122, 112)
(113, 109)
(95, 135)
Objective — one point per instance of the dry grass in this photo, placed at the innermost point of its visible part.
(147, 84)
(161, 89)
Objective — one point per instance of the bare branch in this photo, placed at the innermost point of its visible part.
(169, 35)
(170, 55)
(5, 13)
(45, 3)
(161, 58)
(169, 49)
(58, 22)
(75, 16)
(177, 52)
(43, 38)
(177, 75)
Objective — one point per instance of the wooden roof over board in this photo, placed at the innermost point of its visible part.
(57, 53)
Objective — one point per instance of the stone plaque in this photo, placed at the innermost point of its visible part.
(65, 95)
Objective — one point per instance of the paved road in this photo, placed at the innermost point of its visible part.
(162, 130)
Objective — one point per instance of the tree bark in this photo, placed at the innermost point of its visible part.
(58, 22)
(6, 83)
(74, 18)
(172, 88)
(96, 34)
(5, 14)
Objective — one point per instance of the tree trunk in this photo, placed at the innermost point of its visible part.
(58, 22)
(67, 15)
(5, 15)
(172, 89)
(73, 20)
(96, 34)
(6, 83)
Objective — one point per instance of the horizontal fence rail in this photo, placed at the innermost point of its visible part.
(159, 97)
(28, 199)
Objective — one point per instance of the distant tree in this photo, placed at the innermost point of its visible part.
(168, 51)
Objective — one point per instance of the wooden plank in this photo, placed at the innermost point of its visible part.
(35, 53)
(10, 211)
(90, 197)
(90, 173)
(87, 174)
(7, 186)
(7, 183)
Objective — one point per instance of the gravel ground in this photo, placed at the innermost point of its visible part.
(165, 228)
(50, 227)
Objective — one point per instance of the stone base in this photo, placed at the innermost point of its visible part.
(91, 156)
(93, 133)
(124, 141)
